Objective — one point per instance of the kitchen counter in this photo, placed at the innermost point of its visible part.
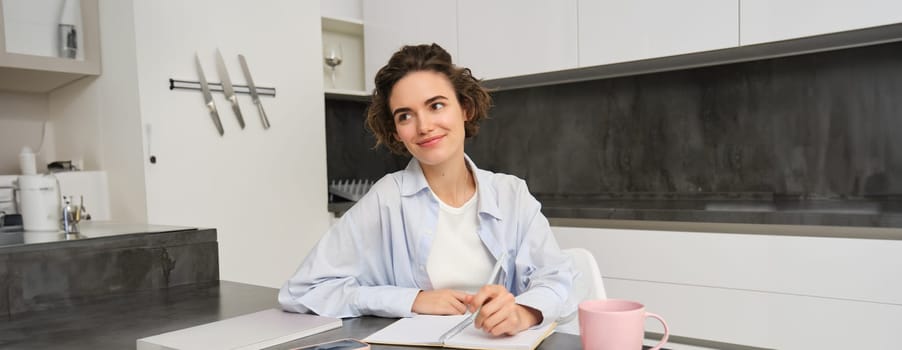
(49, 270)
(116, 322)
(15, 239)
(847, 213)
(853, 218)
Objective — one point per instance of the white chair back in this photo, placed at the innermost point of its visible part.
(586, 286)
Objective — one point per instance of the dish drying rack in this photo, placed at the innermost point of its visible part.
(350, 189)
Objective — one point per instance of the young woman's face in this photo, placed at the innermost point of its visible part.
(428, 118)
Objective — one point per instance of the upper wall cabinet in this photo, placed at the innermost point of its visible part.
(46, 44)
(505, 38)
(390, 24)
(520, 43)
(347, 10)
(772, 20)
(612, 31)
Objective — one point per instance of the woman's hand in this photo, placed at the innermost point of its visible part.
(440, 302)
(500, 314)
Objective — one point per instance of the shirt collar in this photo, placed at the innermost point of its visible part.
(413, 181)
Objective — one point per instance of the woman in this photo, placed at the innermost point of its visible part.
(424, 239)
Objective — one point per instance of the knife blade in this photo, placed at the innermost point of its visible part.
(253, 88)
(208, 97)
(227, 88)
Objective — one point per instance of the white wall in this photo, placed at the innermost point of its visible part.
(263, 190)
(75, 112)
(98, 117)
(22, 116)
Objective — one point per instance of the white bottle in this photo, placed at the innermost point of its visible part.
(27, 162)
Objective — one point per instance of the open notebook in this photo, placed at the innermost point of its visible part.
(425, 330)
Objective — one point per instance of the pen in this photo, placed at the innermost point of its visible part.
(469, 320)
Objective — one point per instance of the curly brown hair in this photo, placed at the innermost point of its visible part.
(473, 97)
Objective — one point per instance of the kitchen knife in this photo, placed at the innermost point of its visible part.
(227, 87)
(208, 97)
(253, 88)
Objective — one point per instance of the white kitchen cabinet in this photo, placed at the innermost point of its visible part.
(771, 20)
(390, 24)
(348, 10)
(770, 291)
(613, 31)
(508, 38)
(29, 61)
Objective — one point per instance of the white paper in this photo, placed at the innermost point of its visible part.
(471, 337)
(420, 330)
(427, 329)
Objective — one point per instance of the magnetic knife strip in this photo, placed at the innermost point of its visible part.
(194, 85)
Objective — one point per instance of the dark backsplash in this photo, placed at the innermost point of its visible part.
(349, 146)
(815, 126)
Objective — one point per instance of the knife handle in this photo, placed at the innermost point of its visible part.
(215, 116)
(234, 101)
(263, 117)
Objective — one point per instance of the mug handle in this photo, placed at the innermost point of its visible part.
(666, 331)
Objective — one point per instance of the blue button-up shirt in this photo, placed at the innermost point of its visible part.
(373, 260)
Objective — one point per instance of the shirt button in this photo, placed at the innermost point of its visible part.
(422, 268)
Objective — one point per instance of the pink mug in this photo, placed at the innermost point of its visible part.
(613, 324)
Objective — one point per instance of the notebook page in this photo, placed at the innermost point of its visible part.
(472, 338)
(417, 330)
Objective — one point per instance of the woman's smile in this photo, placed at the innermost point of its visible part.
(431, 141)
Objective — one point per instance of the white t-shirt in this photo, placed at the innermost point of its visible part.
(458, 259)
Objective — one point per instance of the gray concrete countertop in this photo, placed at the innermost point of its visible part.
(869, 219)
(845, 213)
(117, 322)
(52, 270)
(13, 238)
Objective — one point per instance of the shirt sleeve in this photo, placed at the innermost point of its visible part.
(544, 274)
(346, 274)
